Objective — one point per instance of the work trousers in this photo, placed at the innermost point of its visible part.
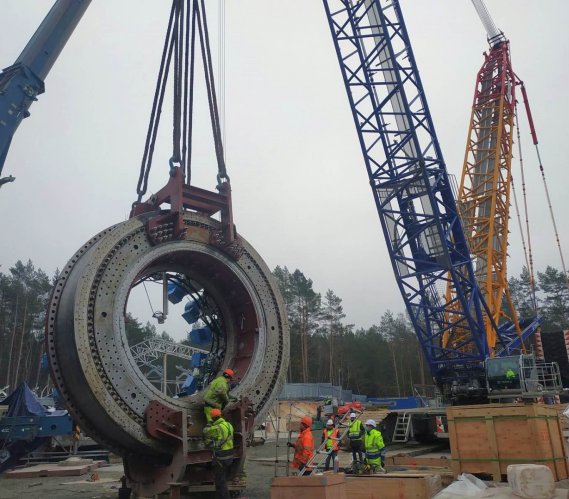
(330, 457)
(220, 479)
(302, 469)
(357, 451)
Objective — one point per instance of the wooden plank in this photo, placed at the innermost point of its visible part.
(454, 444)
(47, 470)
(393, 487)
(210, 487)
(435, 462)
(494, 451)
(326, 486)
(558, 447)
(445, 473)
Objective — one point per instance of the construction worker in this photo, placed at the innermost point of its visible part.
(217, 393)
(304, 445)
(373, 443)
(355, 433)
(219, 437)
(331, 441)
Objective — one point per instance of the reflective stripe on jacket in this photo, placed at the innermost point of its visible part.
(330, 437)
(355, 430)
(217, 393)
(303, 448)
(373, 443)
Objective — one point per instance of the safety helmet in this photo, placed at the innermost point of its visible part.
(215, 413)
(329, 423)
(370, 422)
(306, 421)
(229, 373)
(353, 415)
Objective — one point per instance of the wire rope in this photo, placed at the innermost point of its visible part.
(542, 171)
(187, 20)
(222, 73)
(527, 249)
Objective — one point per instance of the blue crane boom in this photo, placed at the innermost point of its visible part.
(413, 192)
(21, 83)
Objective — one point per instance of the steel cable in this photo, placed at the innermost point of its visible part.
(146, 164)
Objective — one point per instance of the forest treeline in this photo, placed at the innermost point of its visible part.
(382, 360)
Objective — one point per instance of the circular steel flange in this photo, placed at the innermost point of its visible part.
(86, 342)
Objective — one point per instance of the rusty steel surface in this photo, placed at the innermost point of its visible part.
(91, 362)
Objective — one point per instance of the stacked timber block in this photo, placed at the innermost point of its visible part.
(393, 486)
(488, 438)
(339, 486)
(326, 486)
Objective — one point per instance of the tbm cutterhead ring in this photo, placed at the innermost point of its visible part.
(91, 363)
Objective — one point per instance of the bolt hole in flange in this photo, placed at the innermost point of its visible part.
(105, 380)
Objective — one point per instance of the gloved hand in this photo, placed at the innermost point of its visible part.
(289, 444)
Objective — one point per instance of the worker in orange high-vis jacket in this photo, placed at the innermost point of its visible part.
(304, 445)
(331, 441)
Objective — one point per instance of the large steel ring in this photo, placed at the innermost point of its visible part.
(91, 363)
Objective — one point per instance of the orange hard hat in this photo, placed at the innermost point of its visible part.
(307, 421)
(215, 413)
(229, 372)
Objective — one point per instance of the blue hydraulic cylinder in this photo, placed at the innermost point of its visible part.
(176, 292)
(21, 83)
(191, 312)
(200, 336)
(197, 359)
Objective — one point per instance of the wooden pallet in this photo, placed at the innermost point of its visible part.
(488, 438)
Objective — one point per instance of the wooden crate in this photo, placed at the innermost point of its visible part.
(393, 486)
(487, 438)
(325, 486)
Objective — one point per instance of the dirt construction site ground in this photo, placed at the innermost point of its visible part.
(260, 469)
(259, 475)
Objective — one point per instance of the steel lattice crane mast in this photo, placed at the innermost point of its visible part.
(486, 182)
(427, 242)
(410, 185)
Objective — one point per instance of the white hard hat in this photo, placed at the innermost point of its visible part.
(329, 423)
(353, 415)
(370, 422)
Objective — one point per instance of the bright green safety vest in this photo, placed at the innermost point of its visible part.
(329, 436)
(220, 434)
(354, 432)
(217, 393)
(373, 444)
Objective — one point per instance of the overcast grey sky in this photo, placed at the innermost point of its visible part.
(300, 191)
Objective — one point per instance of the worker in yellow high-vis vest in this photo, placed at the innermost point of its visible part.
(373, 443)
(217, 393)
(356, 431)
(219, 438)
